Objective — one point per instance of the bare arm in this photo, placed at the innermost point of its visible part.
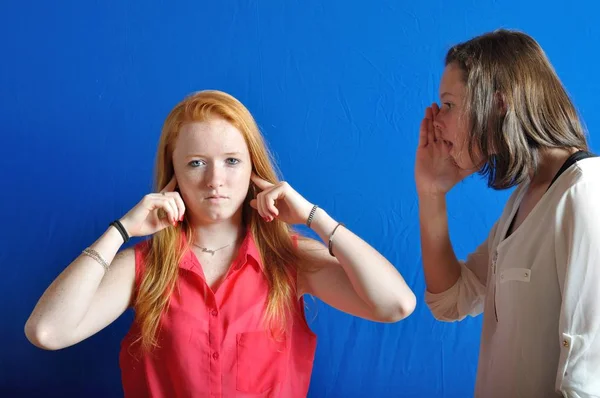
(358, 280)
(84, 299)
(455, 288)
(436, 172)
(440, 265)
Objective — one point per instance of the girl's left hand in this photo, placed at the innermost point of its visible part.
(280, 201)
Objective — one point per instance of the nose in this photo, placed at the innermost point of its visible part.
(215, 176)
(436, 123)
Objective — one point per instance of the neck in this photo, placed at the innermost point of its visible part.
(550, 161)
(216, 235)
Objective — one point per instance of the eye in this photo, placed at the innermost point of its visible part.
(197, 163)
(448, 105)
(232, 161)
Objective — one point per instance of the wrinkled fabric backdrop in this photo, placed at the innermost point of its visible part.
(338, 89)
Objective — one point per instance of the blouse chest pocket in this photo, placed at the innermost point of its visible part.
(513, 289)
(260, 361)
(515, 274)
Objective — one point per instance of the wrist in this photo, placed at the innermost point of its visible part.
(431, 197)
(309, 217)
(115, 235)
(432, 209)
(124, 228)
(322, 222)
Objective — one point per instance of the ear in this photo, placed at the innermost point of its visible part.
(251, 189)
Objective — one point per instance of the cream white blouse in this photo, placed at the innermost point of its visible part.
(539, 291)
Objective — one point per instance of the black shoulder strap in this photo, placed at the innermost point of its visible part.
(577, 156)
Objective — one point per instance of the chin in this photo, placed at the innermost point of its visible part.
(462, 162)
(217, 217)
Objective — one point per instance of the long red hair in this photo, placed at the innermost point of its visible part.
(273, 239)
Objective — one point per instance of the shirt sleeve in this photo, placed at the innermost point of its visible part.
(467, 296)
(577, 246)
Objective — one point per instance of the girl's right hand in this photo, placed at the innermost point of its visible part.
(146, 218)
(436, 171)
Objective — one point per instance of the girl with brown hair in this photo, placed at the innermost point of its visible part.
(506, 115)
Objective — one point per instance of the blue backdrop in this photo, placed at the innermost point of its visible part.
(338, 89)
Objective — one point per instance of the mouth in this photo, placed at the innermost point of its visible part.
(449, 144)
(216, 197)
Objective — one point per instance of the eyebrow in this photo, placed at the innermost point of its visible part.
(445, 93)
(198, 155)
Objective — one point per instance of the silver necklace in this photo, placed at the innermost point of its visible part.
(211, 251)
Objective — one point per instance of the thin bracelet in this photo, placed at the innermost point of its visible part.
(117, 224)
(331, 238)
(96, 256)
(311, 215)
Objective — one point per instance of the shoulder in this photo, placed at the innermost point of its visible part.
(579, 185)
(585, 172)
(577, 209)
(137, 255)
(581, 199)
(305, 245)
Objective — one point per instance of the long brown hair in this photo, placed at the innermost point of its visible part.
(273, 239)
(516, 105)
